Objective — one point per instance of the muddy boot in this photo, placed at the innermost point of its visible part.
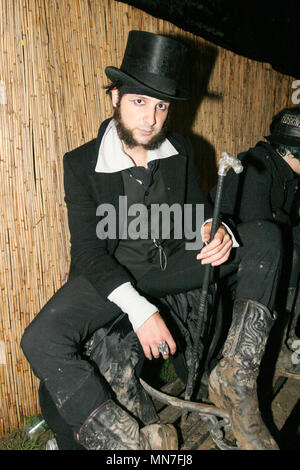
(232, 383)
(159, 437)
(286, 365)
(109, 427)
(116, 351)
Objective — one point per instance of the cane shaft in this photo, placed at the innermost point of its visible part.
(203, 298)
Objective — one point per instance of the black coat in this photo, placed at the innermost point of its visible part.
(85, 190)
(266, 189)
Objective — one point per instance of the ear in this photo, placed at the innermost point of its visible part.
(115, 97)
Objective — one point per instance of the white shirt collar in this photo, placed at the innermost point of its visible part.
(112, 158)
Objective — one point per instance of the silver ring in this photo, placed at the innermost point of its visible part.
(163, 347)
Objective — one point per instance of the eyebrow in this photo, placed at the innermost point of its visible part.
(149, 97)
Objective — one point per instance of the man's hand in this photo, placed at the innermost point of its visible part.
(152, 332)
(218, 250)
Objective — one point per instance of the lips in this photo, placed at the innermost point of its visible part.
(145, 132)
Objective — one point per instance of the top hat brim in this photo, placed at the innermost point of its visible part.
(282, 139)
(115, 75)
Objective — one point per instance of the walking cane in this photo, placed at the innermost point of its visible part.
(226, 161)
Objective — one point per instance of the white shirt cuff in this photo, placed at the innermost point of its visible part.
(131, 302)
(235, 244)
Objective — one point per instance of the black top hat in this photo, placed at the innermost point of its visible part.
(285, 128)
(152, 62)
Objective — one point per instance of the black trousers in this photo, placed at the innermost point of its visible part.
(291, 268)
(53, 342)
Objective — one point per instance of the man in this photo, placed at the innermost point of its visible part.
(268, 189)
(115, 272)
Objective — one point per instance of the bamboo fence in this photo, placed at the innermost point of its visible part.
(53, 54)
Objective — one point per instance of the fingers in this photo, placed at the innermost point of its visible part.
(206, 232)
(153, 332)
(152, 350)
(220, 235)
(147, 351)
(215, 248)
(172, 345)
(221, 256)
(156, 352)
(218, 250)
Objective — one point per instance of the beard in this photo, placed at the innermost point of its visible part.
(126, 135)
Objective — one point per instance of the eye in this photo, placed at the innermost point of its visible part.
(139, 101)
(162, 106)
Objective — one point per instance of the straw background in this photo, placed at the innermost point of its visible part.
(53, 54)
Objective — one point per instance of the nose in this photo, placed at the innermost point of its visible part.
(150, 117)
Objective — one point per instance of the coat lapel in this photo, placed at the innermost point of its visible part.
(107, 186)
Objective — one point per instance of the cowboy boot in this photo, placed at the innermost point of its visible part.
(285, 365)
(109, 427)
(232, 383)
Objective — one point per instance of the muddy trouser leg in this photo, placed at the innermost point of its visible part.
(62, 431)
(121, 370)
(53, 344)
(118, 354)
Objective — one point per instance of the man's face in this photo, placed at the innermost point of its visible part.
(140, 119)
(293, 162)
